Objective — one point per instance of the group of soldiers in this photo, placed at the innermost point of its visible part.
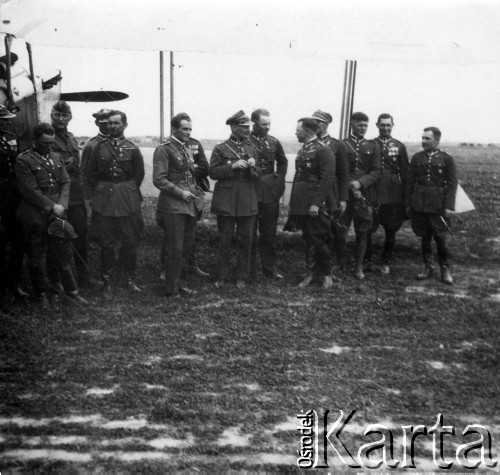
(365, 182)
(48, 193)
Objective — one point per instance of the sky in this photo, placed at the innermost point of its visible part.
(426, 63)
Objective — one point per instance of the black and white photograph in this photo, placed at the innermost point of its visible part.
(249, 236)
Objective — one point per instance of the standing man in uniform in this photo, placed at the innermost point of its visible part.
(44, 185)
(11, 228)
(364, 170)
(390, 190)
(115, 173)
(200, 165)
(179, 203)
(66, 146)
(101, 120)
(340, 184)
(312, 195)
(430, 199)
(273, 164)
(234, 201)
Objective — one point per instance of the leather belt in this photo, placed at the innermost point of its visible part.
(116, 179)
(50, 190)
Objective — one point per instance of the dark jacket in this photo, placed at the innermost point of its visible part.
(40, 188)
(314, 177)
(394, 168)
(364, 166)
(67, 147)
(9, 192)
(174, 172)
(200, 163)
(273, 164)
(432, 183)
(115, 173)
(341, 183)
(234, 192)
(86, 152)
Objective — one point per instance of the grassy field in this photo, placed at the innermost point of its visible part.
(215, 382)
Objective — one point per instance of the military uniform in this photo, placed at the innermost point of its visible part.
(364, 166)
(43, 182)
(341, 190)
(273, 164)
(66, 146)
(313, 185)
(234, 201)
(390, 191)
(173, 173)
(10, 227)
(430, 189)
(94, 227)
(115, 172)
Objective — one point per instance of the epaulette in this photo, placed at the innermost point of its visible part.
(130, 142)
(167, 142)
(444, 153)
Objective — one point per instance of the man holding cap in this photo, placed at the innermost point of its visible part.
(44, 184)
(364, 169)
(234, 199)
(10, 227)
(340, 184)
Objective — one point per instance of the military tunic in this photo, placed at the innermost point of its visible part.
(174, 173)
(10, 226)
(313, 185)
(341, 191)
(273, 164)
(234, 202)
(66, 145)
(43, 182)
(390, 191)
(364, 166)
(94, 227)
(341, 183)
(430, 189)
(115, 173)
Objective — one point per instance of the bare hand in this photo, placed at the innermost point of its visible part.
(58, 210)
(357, 195)
(240, 164)
(251, 162)
(187, 195)
(313, 211)
(342, 207)
(355, 185)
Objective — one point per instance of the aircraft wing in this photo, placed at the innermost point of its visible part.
(93, 96)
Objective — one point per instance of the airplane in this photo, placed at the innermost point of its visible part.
(31, 97)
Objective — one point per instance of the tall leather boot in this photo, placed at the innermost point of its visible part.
(107, 291)
(360, 249)
(428, 270)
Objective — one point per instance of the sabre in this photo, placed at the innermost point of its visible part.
(336, 221)
(446, 225)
